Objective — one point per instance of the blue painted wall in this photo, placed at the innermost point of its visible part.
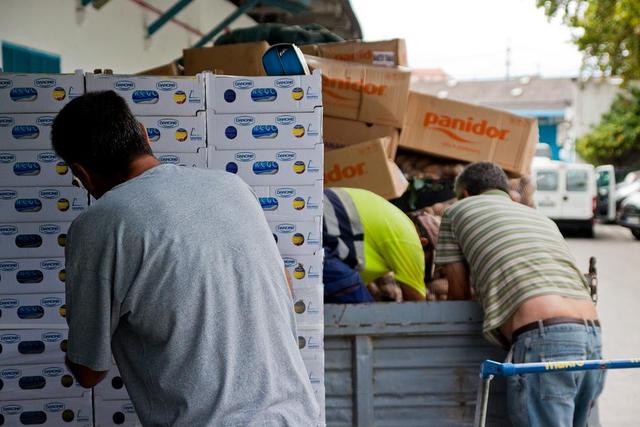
(23, 59)
(548, 133)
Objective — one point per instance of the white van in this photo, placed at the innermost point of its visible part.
(572, 195)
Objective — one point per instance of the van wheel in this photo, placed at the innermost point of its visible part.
(636, 233)
(588, 230)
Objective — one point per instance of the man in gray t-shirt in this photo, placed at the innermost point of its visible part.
(176, 272)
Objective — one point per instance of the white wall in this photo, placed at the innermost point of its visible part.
(594, 98)
(112, 37)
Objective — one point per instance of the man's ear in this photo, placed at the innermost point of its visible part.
(466, 194)
(84, 176)
(144, 132)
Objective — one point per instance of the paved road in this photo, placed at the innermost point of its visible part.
(618, 255)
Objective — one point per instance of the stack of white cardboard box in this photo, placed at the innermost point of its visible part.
(37, 204)
(268, 131)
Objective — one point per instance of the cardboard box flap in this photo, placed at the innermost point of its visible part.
(384, 52)
(240, 59)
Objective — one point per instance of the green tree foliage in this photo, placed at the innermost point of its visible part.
(606, 31)
(616, 139)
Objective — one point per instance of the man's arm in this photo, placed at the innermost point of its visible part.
(88, 378)
(410, 294)
(458, 277)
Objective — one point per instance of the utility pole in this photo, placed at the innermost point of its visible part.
(508, 60)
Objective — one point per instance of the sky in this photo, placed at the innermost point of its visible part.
(468, 39)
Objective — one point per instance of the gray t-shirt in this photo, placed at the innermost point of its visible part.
(177, 272)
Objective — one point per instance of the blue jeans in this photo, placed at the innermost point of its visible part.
(557, 399)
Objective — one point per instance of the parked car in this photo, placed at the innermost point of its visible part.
(629, 215)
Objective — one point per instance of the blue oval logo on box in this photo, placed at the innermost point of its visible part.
(169, 158)
(49, 193)
(243, 84)
(9, 338)
(285, 228)
(7, 158)
(168, 123)
(284, 82)
(25, 132)
(8, 302)
(285, 120)
(8, 230)
(5, 83)
(6, 121)
(52, 336)
(245, 156)
(145, 97)
(50, 264)
(44, 82)
(54, 407)
(45, 121)
(166, 85)
(289, 262)
(47, 157)
(285, 192)
(11, 409)
(244, 120)
(265, 168)
(49, 229)
(8, 194)
(153, 134)
(8, 266)
(52, 371)
(286, 156)
(124, 85)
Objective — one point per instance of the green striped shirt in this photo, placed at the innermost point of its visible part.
(514, 253)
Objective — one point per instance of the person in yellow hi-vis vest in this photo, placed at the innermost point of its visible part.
(366, 237)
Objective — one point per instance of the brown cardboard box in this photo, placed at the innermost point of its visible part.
(309, 49)
(241, 59)
(361, 92)
(390, 53)
(170, 69)
(469, 132)
(365, 166)
(340, 133)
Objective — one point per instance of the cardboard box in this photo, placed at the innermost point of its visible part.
(311, 341)
(170, 69)
(271, 167)
(32, 346)
(33, 239)
(290, 202)
(367, 166)
(390, 53)
(265, 131)
(469, 133)
(298, 237)
(340, 133)
(194, 160)
(31, 276)
(239, 59)
(112, 387)
(249, 95)
(115, 412)
(314, 363)
(37, 204)
(154, 95)
(45, 311)
(53, 380)
(38, 93)
(33, 169)
(308, 303)
(52, 412)
(305, 269)
(25, 131)
(176, 134)
(361, 92)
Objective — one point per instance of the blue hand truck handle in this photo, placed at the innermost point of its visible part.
(489, 367)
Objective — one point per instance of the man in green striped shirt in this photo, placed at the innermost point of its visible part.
(536, 301)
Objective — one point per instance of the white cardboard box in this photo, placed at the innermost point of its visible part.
(298, 237)
(44, 381)
(176, 134)
(38, 93)
(33, 239)
(195, 160)
(33, 169)
(271, 167)
(305, 269)
(32, 346)
(112, 387)
(293, 131)
(308, 303)
(31, 276)
(52, 412)
(115, 412)
(37, 204)
(154, 95)
(45, 311)
(25, 131)
(315, 369)
(282, 94)
(290, 202)
(311, 341)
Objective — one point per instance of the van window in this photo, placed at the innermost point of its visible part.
(547, 180)
(577, 180)
(603, 179)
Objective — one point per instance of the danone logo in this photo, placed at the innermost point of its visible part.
(244, 120)
(243, 84)
(49, 193)
(52, 371)
(47, 157)
(44, 82)
(51, 336)
(329, 83)
(6, 121)
(285, 192)
(7, 158)
(49, 229)
(285, 156)
(169, 158)
(11, 409)
(284, 82)
(168, 123)
(449, 125)
(285, 228)
(8, 194)
(8, 302)
(245, 156)
(124, 85)
(45, 121)
(289, 262)
(50, 264)
(8, 266)
(285, 120)
(5, 83)
(166, 85)
(128, 408)
(8, 230)
(51, 301)
(9, 338)
(54, 406)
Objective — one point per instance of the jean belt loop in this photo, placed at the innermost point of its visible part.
(541, 327)
(587, 327)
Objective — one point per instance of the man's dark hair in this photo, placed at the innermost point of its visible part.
(98, 131)
(480, 177)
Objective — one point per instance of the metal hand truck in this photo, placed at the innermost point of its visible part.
(489, 369)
